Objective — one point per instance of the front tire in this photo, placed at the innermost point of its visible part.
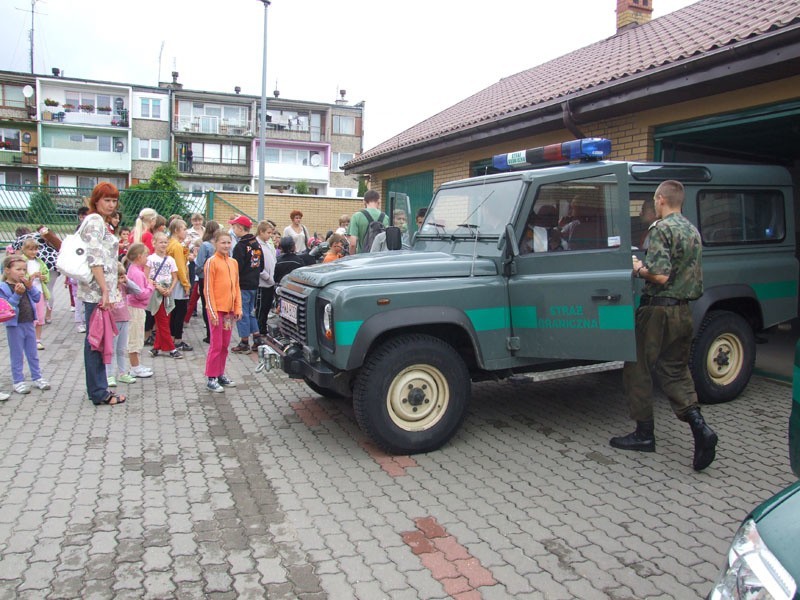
(723, 357)
(412, 393)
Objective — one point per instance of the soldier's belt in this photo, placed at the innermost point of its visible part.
(661, 301)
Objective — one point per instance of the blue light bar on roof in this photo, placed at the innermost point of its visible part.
(584, 149)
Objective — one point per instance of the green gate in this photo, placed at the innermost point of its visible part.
(57, 207)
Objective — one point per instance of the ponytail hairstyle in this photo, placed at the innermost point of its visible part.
(144, 221)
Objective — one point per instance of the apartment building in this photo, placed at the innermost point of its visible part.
(69, 132)
(19, 138)
(84, 132)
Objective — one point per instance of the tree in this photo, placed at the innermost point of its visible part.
(161, 192)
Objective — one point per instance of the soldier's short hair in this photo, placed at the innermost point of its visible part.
(672, 191)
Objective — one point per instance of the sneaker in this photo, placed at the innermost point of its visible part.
(206, 340)
(71, 309)
(141, 372)
(223, 380)
(111, 382)
(241, 348)
(41, 383)
(176, 354)
(184, 346)
(153, 352)
(4, 396)
(214, 386)
(125, 378)
(149, 341)
(22, 388)
(39, 345)
(81, 328)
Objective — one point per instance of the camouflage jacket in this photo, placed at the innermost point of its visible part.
(675, 249)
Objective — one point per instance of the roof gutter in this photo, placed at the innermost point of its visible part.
(773, 55)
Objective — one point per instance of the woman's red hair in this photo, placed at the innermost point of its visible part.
(102, 190)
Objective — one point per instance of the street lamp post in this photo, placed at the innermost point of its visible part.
(262, 125)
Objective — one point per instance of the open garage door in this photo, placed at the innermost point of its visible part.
(768, 134)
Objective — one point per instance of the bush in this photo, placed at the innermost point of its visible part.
(42, 208)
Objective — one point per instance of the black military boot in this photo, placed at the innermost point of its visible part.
(641, 440)
(705, 440)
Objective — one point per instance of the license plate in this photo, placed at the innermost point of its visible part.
(289, 311)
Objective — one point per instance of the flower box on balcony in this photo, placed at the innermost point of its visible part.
(69, 107)
(50, 102)
(86, 107)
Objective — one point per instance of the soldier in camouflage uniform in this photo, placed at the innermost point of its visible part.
(673, 273)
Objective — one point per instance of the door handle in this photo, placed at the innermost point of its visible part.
(607, 297)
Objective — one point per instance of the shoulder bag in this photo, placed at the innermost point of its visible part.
(72, 258)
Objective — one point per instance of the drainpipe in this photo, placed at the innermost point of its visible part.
(569, 121)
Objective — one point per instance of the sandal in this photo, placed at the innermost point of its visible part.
(112, 400)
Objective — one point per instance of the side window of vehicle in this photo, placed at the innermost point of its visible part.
(572, 215)
(731, 217)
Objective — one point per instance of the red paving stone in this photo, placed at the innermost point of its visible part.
(310, 412)
(449, 562)
(393, 465)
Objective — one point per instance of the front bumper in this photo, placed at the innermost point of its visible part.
(300, 362)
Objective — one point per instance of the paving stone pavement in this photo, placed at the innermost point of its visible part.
(271, 491)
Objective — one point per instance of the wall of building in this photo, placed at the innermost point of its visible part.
(631, 135)
(320, 213)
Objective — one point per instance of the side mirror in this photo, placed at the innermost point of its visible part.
(393, 238)
(511, 240)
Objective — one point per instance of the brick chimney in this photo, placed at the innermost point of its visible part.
(631, 13)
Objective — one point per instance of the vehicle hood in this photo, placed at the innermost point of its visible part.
(778, 522)
(401, 264)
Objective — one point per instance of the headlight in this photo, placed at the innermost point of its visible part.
(752, 572)
(327, 325)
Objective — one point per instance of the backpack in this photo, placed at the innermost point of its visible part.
(373, 229)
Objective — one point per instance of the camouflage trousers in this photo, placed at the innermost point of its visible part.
(663, 343)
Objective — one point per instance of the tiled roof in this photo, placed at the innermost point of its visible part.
(698, 28)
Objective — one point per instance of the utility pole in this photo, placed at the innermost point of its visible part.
(262, 125)
(33, 6)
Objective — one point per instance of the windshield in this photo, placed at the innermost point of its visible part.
(484, 208)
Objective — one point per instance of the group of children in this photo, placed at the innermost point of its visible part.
(155, 276)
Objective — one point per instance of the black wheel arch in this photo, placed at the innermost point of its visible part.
(735, 298)
(445, 322)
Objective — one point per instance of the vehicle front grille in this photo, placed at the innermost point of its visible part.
(296, 331)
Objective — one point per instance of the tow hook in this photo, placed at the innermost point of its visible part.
(268, 359)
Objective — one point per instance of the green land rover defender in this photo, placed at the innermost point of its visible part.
(528, 273)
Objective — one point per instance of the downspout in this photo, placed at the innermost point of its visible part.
(569, 120)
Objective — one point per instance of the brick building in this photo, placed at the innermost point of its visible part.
(718, 81)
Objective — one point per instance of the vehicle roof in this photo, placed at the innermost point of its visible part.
(652, 173)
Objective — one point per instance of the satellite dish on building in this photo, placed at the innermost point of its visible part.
(315, 160)
(27, 91)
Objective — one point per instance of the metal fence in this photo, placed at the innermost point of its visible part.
(57, 207)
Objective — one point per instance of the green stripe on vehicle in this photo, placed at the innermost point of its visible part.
(345, 332)
(487, 319)
(616, 317)
(524, 317)
(775, 290)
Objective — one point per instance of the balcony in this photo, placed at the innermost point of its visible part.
(98, 118)
(84, 159)
(211, 125)
(11, 157)
(290, 172)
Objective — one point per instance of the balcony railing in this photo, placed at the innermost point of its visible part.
(211, 124)
(100, 118)
(10, 157)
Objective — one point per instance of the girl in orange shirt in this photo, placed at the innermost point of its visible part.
(224, 306)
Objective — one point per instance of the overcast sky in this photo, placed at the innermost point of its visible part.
(407, 59)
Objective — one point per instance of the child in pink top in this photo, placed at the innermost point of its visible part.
(121, 317)
(137, 304)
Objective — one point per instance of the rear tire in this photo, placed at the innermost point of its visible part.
(723, 357)
(412, 393)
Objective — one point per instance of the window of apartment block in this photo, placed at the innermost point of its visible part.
(344, 125)
(339, 159)
(150, 149)
(151, 108)
(11, 95)
(9, 139)
(10, 178)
